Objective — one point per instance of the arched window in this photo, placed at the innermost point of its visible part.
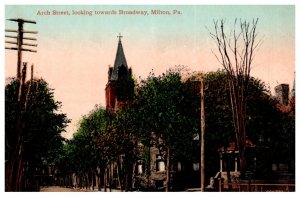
(160, 164)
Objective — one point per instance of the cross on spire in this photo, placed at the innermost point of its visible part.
(120, 36)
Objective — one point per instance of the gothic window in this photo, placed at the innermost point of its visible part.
(178, 166)
(160, 164)
(140, 167)
(122, 71)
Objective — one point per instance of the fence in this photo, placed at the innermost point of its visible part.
(255, 187)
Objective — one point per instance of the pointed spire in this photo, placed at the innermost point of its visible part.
(293, 90)
(120, 60)
(120, 36)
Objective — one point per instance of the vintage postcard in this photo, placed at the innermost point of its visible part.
(150, 98)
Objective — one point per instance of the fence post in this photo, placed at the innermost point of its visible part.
(220, 184)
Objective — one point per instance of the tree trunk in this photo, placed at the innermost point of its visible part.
(8, 175)
(110, 177)
(226, 160)
(168, 169)
(93, 180)
(202, 137)
(105, 179)
(13, 166)
(149, 167)
(97, 181)
(133, 175)
(20, 175)
(119, 176)
(236, 56)
(128, 176)
(126, 182)
(14, 176)
(87, 181)
(80, 181)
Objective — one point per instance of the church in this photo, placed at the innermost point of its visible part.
(119, 93)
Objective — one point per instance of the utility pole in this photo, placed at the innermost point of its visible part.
(14, 167)
(19, 43)
(199, 79)
(202, 134)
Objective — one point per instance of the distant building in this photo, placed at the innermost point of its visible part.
(282, 93)
(285, 171)
(285, 98)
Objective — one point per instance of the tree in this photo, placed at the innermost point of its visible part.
(41, 126)
(236, 54)
(92, 144)
(124, 135)
(104, 143)
(270, 129)
(168, 112)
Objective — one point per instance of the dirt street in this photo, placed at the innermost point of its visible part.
(61, 189)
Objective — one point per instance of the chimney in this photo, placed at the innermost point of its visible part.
(282, 93)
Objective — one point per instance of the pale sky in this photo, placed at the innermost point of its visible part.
(74, 52)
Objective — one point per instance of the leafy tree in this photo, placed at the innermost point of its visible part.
(41, 125)
(268, 127)
(167, 113)
(123, 135)
(96, 144)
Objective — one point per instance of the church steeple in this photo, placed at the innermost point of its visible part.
(120, 61)
(120, 86)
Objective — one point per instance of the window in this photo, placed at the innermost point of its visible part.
(160, 164)
(179, 166)
(140, 168)
(196, 166)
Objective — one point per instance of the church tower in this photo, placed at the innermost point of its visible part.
(120, 86)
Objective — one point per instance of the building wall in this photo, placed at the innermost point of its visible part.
(156, 164)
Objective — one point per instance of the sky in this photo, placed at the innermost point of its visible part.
(74, 52)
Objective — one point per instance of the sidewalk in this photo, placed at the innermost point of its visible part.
(64, 189)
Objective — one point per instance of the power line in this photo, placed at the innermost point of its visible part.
(19, 41)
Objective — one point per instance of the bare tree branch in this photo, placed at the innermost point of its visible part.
(236, 55)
